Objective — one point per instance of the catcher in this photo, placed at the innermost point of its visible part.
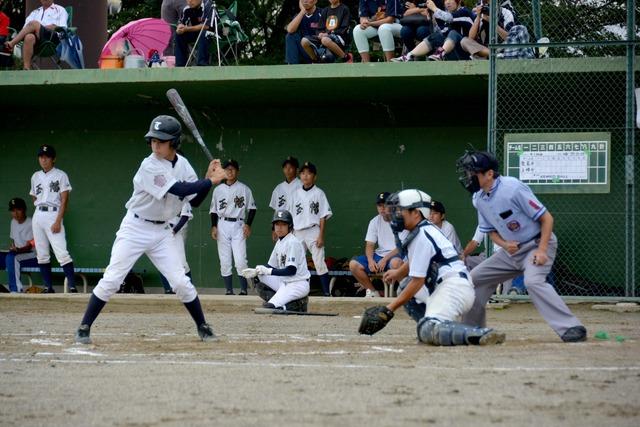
(284, 282)
(453, 295)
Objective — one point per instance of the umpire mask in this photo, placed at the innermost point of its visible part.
(392, 206)
(471, 163)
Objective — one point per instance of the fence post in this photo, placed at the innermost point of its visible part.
(630, 156)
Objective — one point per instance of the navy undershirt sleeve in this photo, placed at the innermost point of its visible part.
(214, 219)
(184, 189)
(251, 216)
(289, 270)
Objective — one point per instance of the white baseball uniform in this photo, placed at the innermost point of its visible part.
(231, 203)
(21, 234)
(281, 195)
(288, 251)
(308, 207)
(453, 295)
(145, 229)
(450, 233)
(47, 189)
(181, 235)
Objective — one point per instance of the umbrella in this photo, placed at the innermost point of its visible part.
(70, 49)
(144, 36)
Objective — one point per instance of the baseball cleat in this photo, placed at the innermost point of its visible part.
(575, 334)
(73, 290)
(83, 334)
(492, 338)
(48, 291)
(206, 333)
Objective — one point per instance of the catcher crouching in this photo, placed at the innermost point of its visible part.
(430, 254)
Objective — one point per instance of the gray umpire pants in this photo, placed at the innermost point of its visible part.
(501, 267)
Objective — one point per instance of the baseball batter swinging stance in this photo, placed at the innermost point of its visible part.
(158, 197)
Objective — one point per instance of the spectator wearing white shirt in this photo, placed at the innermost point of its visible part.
(40, 26)
(437, 217)
(376, 260)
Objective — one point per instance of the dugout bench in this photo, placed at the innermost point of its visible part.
(389, 289)
(82, 272)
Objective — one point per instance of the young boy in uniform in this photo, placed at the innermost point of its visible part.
(284, 281)
(310, 209)
(21, 253)
(281, 195)
(158, 197)
(232, 212)
(50, 189)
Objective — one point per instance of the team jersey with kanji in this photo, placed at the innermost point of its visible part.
(282, 194)
(431, 245)
(510, 208)
(308, 207)
(150, 199)
(289, 251)
(47, 187)
(379, 231)
(232, 201)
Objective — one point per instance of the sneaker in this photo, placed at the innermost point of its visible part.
(243, 292)
(48, 291)
(372, 294)
(575, 334)
(347, 59)
(229, 292)
(206, 333)
(438, 56)
(73, 290)
(83, 334)
(403, 58)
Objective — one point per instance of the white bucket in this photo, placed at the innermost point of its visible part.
(134, 61)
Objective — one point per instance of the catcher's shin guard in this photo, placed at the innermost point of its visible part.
(264, 291)
(448, 333)
(415, 309)
(298, 305)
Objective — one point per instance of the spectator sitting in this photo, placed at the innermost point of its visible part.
(304, 24)
(454, 24)
(476, 44)
(332, 35)
(378, 18)
(170, 12)
(380, 259)
(416, 24)
(196, 17)
(4, 27)
(437, 217)
(40, 26)
(21, 253)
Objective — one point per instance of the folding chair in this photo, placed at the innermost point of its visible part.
(230, 34)
(48, 48)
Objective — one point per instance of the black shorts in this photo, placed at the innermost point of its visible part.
(315, 41)
(47, 35)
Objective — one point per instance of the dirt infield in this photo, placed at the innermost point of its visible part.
(147, 368)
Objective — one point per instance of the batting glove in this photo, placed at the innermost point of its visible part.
(263, 271)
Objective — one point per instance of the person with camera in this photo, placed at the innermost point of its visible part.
(453, 24)
(477, 42)
(416, 23)
(378, 18)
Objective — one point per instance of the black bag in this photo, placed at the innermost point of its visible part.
(415, 20)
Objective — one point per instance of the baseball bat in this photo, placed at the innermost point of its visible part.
(261, 310)
(181, 109)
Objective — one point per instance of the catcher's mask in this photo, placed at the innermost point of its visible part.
(471, 163)
(407, 199)
(165, 128)
(282, 216)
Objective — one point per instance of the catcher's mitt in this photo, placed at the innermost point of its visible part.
(374, 319)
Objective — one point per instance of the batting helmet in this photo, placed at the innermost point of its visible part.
(282, 216)
(472, 162)
(407, 199)
(165, 128)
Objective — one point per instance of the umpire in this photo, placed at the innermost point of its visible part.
(516, 221)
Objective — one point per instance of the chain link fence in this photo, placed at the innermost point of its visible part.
(564, 122)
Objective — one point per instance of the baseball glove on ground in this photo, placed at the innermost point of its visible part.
(374, 319)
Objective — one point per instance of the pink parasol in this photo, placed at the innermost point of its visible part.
(143, 36)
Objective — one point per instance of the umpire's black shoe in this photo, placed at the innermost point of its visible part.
(83, 334)
(206, 333)
(73, 290)
(48, 291)
(575, 334)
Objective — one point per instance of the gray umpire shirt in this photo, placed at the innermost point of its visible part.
(511, 209)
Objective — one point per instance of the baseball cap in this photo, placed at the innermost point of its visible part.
(310, 167)
(437, 206)
(291, 161)
(231, 162)
(382, 197)
(17, 203)
(47, 150)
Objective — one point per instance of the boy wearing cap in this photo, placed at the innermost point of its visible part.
(310, 209)
(380, 259)
(50, 189)
(281, 195)
(232, 212)
(21, 253)
(437, 217)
